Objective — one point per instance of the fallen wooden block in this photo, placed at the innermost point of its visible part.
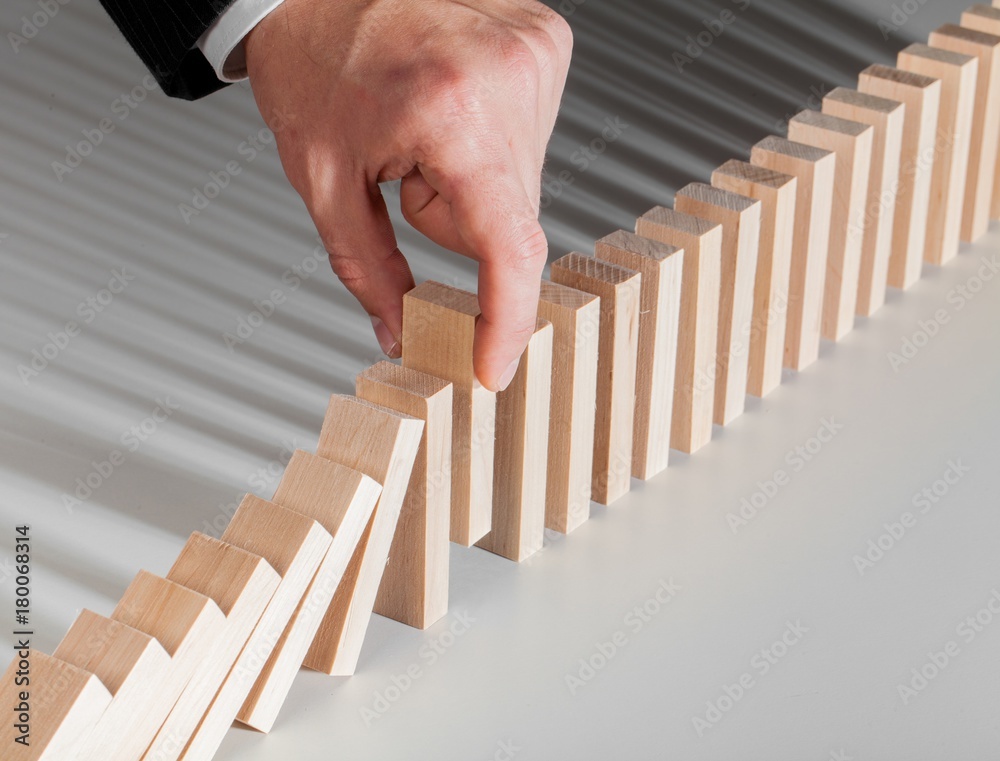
(698, 334)
(522, 448)
(576, 327)
(815, 169)
(342, 501)
(383, 445)
(439, 329)
(777, 193)
(887, 117)
(414, 587)
(619, 292)
(740, 218)
(661, 267)
(51, 714)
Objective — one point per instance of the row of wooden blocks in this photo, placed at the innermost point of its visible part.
(640, 348)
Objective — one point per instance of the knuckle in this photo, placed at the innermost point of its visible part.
(558, 30)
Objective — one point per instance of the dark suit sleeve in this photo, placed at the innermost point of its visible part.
(164, 33)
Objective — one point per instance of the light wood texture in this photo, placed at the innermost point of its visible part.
(887, 117)
(439, 328)
(661, 267)
(852, 142)
(815, 169)
(342, 500)
(65, 703)
(698, 334)
(576, 328)
(958, 74)
(740, 218)
(522, 448)
(414, 587)
(294, 546)
(777, 193)
(619, 292)
(383, 445)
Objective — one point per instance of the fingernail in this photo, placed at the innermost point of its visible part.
(508, 375)
(386, 339)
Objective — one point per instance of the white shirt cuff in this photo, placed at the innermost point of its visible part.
(222, 43)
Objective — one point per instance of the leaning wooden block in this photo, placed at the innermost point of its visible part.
(698, 335)
(414, 587)
(777, 193)
(887, 117)
(619, 292)
(383, 445)
(958, 74)
(294, 546)
(576, 323)
(740, 219)
(815, 170)
(53, 714)
(342, 501)
(661, 267)
(439, 328)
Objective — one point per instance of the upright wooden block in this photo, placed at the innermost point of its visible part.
(698, 335)
(414, 587)
(777, 193)
(887, 117)
(958, 74)
(294, 546)
(661, 267)
(65, 701)
(815, 169)
(619, 292)
(522, 448)
(342, 500)
(383, 445)
(576, 324)
(740, 218)
(439, 328)
(241, 584)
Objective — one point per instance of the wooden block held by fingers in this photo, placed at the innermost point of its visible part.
(383, 445)
(958, 74)
(576, 324)
(619, 292)
(65, 703)
(439, 328)
(777, 193)
(887, 117)
(522, 448)
(342, 501)
(661, 267)
(815, 170)
(414, 587)
(698, 335)
(852, 142)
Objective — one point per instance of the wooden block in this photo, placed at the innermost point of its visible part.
(65, 701)
(740, 217)
(241, 584)
(619, 291)
(661, 267)
(342, 500)
(958, 74)
(576, 325)
(815, 169)
(414, 587)
(777, 193)
(853, 143)
(294, 546)
(383, 445)
(134, 668)
(698, 335)
(887, 117)
(522, 448)
(439, 328)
